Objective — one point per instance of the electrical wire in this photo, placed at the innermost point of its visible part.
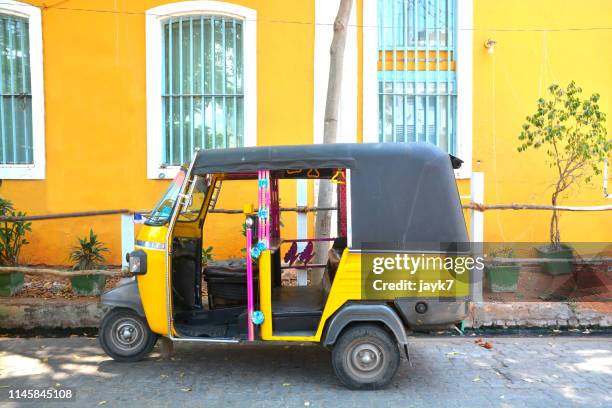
(297, 22)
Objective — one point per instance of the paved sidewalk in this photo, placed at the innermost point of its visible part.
(444, 372)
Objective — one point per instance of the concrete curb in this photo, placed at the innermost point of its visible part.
(537, 314)
(30, 313)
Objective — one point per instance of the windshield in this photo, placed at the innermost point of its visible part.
(163, 209)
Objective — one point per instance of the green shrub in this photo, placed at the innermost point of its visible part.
(88, 254)
(12, 234)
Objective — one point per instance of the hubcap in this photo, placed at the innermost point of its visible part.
(365, 359)
(127, 334)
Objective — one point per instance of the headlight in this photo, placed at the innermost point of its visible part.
(138, 262)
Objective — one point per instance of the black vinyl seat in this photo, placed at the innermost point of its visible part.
(229, 283)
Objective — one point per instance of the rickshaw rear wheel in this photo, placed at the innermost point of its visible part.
(365, 357)
(125, 335)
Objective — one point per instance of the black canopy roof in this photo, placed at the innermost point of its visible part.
(399, 192)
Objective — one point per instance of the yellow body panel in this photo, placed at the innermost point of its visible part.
(265, 294)
(346, 286)
(152, 285)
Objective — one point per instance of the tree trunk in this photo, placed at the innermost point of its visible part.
(555, 238)
(330, 129)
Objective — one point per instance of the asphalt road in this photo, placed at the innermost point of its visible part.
(443, 372)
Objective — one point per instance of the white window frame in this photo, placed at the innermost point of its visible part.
(35, 171)
(465, 17)
(154, 22)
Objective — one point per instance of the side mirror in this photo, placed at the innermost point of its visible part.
(137, 261)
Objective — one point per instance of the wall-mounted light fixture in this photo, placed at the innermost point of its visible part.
(490, 45)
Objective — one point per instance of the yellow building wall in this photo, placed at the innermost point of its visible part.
(534, 49)
(94, 72)
(95, 108)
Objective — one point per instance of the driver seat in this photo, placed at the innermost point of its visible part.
(227, 284)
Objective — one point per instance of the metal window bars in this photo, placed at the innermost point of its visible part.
(417, 77)
(202, 85)
(15, 92)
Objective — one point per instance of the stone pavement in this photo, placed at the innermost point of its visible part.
(443, 372)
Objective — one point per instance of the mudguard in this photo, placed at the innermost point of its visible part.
(125, 295)
(365, 312)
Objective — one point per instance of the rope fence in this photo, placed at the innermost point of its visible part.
(486, 207)
(304, 209)
(59, 273)
(583, 261)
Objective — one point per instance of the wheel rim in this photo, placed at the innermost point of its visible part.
(127, 334)
(365, 359)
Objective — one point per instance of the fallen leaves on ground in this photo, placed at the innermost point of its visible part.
(43, 287)
(484, 344)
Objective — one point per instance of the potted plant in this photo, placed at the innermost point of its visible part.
(571, 131)
(12, 239)
(502, 275)
(88, 255)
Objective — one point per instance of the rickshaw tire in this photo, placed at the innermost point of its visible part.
(108, 345)
(381, 341)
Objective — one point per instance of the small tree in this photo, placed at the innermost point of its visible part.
(572, 132)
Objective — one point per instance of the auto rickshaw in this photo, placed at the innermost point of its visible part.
(387, 195)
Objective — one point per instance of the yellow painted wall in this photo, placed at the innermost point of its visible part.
(96, 119)
(506, 87)
(94, 73)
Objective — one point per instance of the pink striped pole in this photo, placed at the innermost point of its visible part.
(267, 198)
(249, 238)
(259, 205)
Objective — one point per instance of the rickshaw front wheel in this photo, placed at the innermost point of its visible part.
(125, 336)
(365, 357)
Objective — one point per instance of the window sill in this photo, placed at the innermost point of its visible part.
(22, 172)
(463, 173)
(163, 173)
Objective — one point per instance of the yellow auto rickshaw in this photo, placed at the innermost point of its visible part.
(392, 200)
